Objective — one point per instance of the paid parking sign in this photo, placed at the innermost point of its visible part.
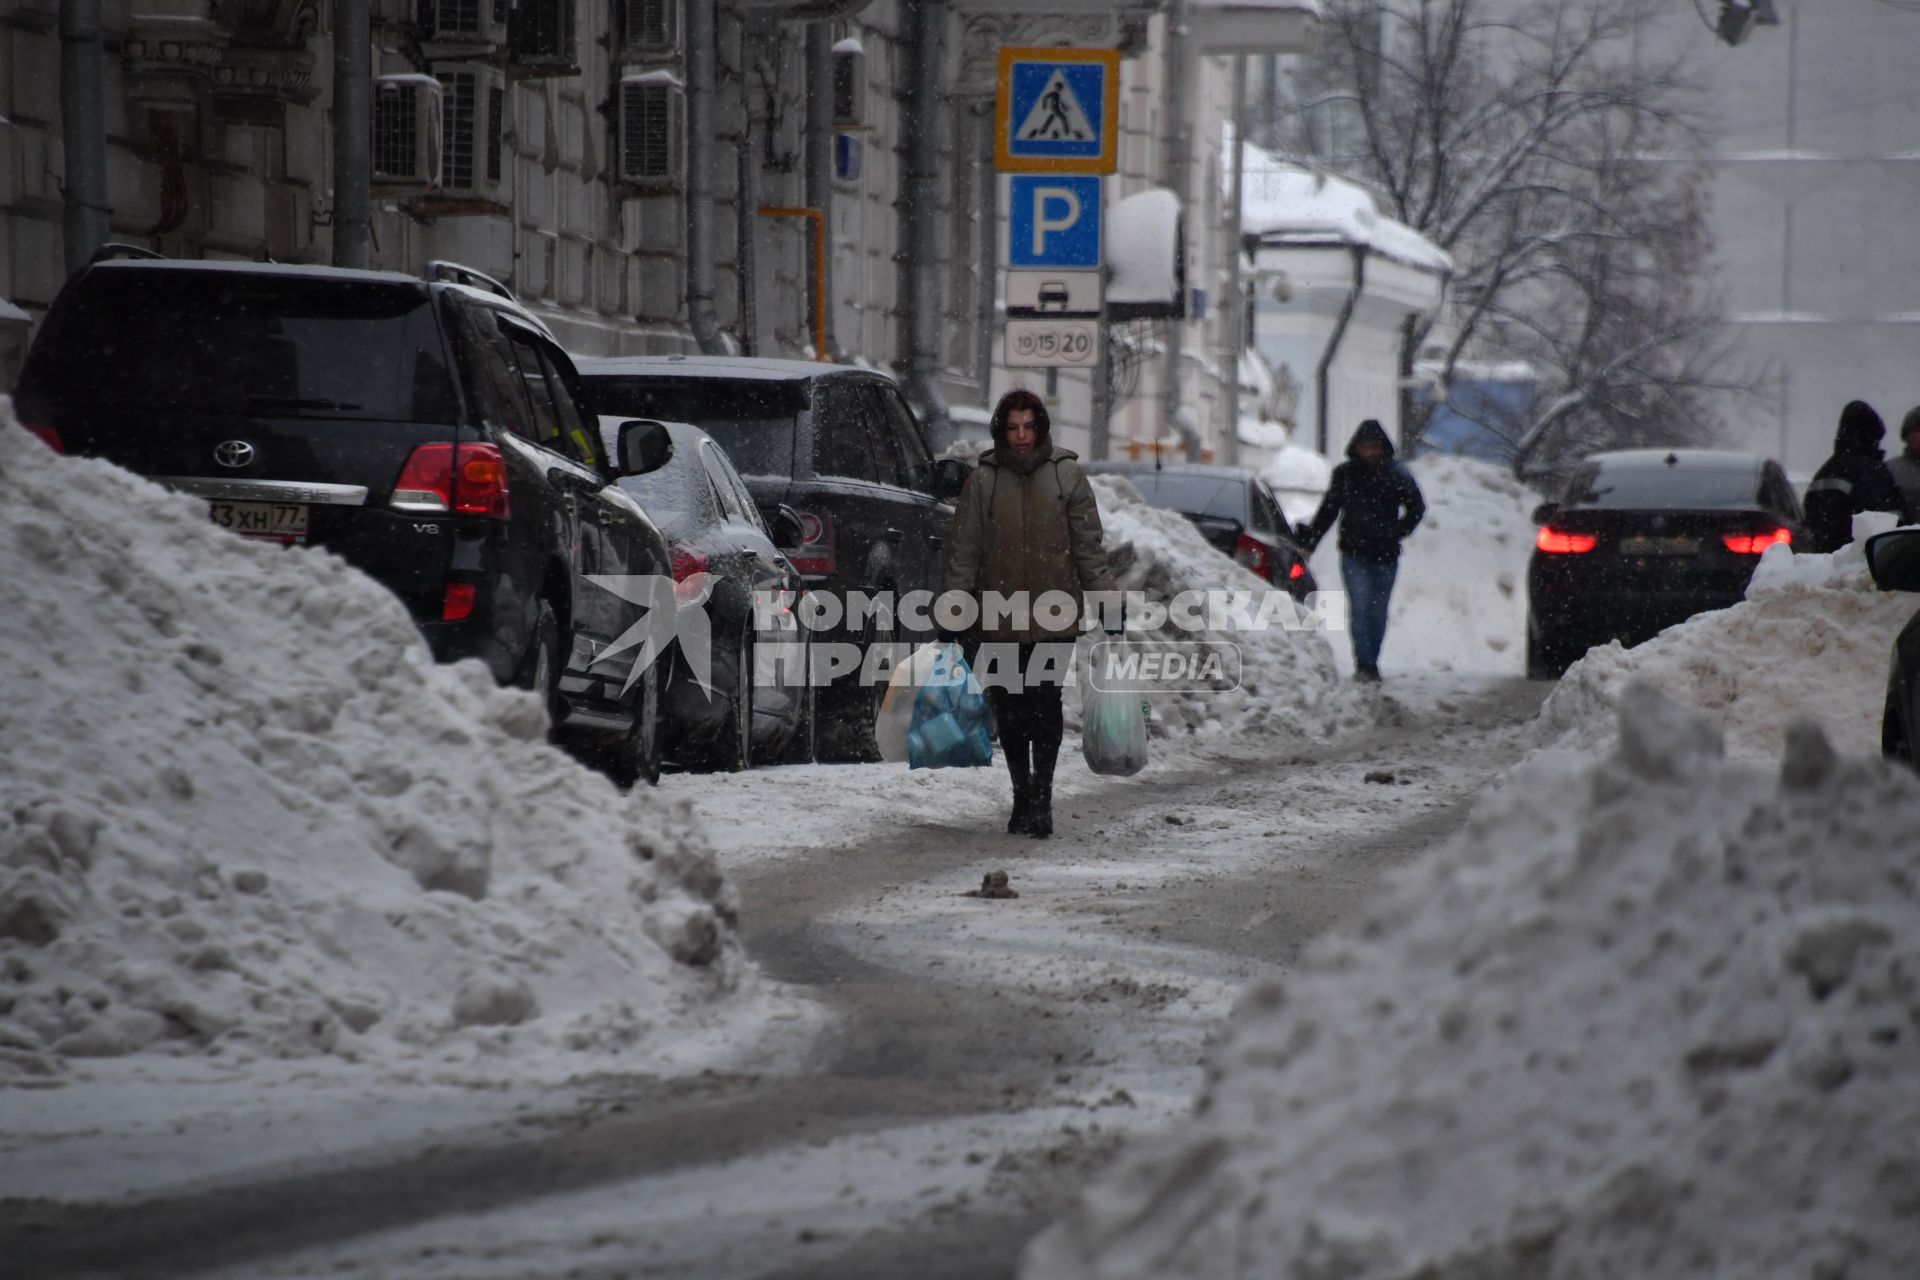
(1058, 111)
(1053, 221)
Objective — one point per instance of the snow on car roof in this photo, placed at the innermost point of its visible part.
(761, 367)
(280, 269)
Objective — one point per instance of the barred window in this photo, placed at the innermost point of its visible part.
(496, 109)
(457, 123)
(462, 17)
(647, 142)
(396, 119)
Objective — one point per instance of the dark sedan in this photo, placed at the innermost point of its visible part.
(1645, 539)
(1894, 559)
(1234, 509)
(713, 529)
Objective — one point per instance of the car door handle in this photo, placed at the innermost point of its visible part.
(935, 540)
(894, 535)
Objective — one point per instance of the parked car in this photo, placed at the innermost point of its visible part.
(1894, 559)
(713, 528)
(1234, 508)
(428, 431)
(1644, 539)
(840, 447)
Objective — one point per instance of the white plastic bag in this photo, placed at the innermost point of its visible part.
(1113, 733)
(895, 721)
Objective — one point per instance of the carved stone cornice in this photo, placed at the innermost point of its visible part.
(164, 50)
(987, 25)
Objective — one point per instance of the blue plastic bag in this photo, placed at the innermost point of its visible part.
(950, 727)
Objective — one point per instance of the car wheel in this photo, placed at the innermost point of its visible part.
(540, 670)
(636, 757)
(733, 749)
(846, 735)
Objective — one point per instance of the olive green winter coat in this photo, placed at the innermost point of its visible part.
(1029, 529)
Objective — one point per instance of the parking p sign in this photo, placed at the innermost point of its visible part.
(1053, 221)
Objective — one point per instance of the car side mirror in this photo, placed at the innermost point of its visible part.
(1894, 560)
(787, 530)
(949, 477)
(1545, 512)
(644, 446)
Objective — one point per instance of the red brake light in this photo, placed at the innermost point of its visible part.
(1253, 553)
(1298, 571)
(48, 435)
(459, 602)
(1559, 542)
(1753, 544)
(687, 560)
(815, 553)
(467, 479)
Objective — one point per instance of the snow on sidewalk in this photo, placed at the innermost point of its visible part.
(245, 816)
(1649, 1016)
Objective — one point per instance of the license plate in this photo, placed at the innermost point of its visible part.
(282, 520)
(1641, 545)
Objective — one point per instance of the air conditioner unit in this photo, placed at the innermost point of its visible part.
(849, 85)
(406, 131)
(653, 130)
(470, 22)
(650, 29)
(473, 113)
(542, 39)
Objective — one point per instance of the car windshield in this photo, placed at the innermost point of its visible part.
(233, 343)
(753, 420)
(1222, 497)
(1663, 486)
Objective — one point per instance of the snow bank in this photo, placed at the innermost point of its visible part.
(1285, 673)
(243, 813)
(1810, 641)
(1285, 202)
(1651, 1017)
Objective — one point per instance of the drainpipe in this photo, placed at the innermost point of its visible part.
(83, 122)
(1333, 345)
(747, 176)
(920, 276)
(1236, 331)
(819, 173)
(701, 33)
(352, 133)
(1179, 155)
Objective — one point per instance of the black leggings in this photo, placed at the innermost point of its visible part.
(1031, 725)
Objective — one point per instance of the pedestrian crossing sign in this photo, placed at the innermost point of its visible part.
(1058, 111)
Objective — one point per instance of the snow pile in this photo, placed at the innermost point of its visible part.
(1143, 248)
(243, 813)
(1286, 204)
(1811, 640)
(1460, 602)
(1651, 1017)
(1285, 673)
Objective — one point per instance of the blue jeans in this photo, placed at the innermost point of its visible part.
(1369, 587)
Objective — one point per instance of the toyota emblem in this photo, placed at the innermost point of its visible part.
(233, 453)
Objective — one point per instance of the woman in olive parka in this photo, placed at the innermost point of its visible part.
(1027, 524)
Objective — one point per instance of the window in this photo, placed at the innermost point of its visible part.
(916, 464)
(842, 443)
(1262, 512)
(723, 490)
(578, 438)
(754, 420)
(652, 130)
(493, 373)
(496, 112)
(1664, 486)
(650, 28)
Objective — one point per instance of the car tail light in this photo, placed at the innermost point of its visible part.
(458, 605)
(687, 560)
(1560, 542)
(467, 480)
(815, 552)
(1298, 571)
(47, 434)
(1753, 544)
(1254, 554)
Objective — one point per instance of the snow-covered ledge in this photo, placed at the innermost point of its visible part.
(1334, 282)
(1255, 26)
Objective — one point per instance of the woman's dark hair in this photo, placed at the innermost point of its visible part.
(1020, 398)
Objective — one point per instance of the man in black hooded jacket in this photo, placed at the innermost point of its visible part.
(1378, 505)
(1853, 480)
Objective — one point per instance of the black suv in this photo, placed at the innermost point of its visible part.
(841, 448)
(429, 431)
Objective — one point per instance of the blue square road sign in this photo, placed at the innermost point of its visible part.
(1053, 220)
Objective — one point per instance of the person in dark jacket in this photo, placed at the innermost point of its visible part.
(1853, 480)
(1378, 505)
(1905, 469)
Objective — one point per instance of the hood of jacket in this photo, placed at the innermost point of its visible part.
(1371, 430)
(1860, 429)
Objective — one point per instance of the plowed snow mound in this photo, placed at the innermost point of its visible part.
(1653, 1017)
(1811, 641)
(243, 812)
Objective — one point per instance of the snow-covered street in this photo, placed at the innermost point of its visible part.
(979, 1059)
